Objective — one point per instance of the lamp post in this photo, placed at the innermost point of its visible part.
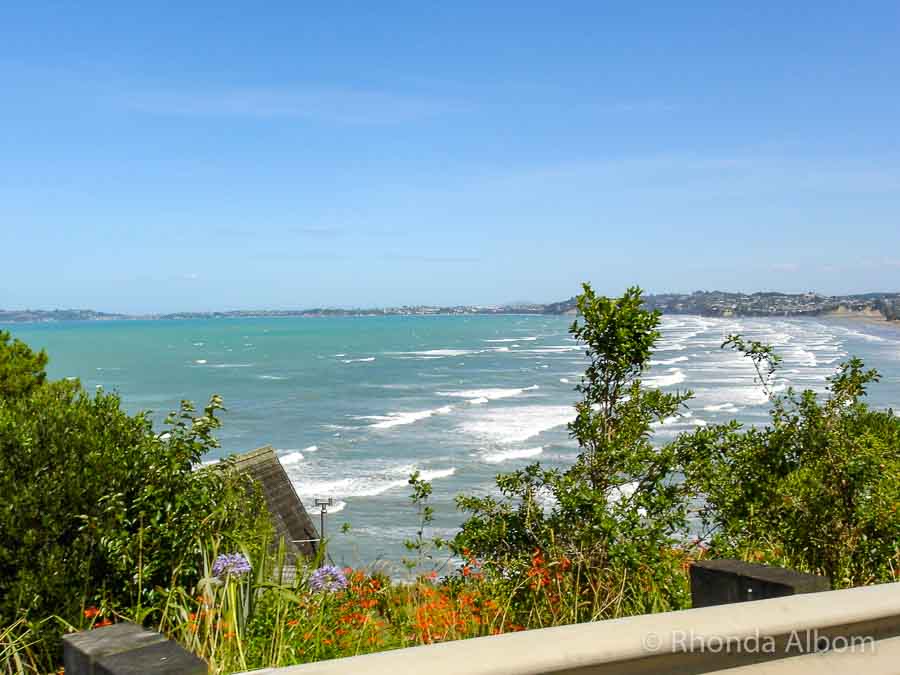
(323, 503)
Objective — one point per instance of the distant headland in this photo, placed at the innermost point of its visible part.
(878, 306)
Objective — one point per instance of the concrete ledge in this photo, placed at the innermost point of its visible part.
(686, 642)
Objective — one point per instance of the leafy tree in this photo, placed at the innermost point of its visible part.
(98, 508)
(817, 489)
(614, 515)
(21, 369)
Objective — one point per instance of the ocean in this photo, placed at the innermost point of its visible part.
(353, 405)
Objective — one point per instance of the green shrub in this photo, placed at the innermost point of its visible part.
(817, 489)
(613, 518)
(99, 509)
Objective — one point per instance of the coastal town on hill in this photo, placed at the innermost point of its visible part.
(703, 303)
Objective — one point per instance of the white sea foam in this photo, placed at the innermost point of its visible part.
(674, 376)
(520, 339)
(479, 400)
(669, 362)
(290, 458)
(272, 377)
(398, 419)
(722, 407)
(489, 394)
(440, 353)
(553, 349)
(564, 380)
(311, 448)
(371, 485)
(502, 349)
(506, 455)
(200, 362)
(515, 425)
(365, 360)
(437, 473)
(198, 344)
(339, 355)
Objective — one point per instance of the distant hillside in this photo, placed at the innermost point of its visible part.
(704, 303)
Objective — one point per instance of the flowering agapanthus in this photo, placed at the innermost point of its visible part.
(231, 565)
(328, 579)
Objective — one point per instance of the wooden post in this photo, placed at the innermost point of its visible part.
(719, 582)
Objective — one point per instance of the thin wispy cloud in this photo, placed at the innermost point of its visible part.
(329, 104)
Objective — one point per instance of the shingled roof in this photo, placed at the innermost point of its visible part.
(290, 519)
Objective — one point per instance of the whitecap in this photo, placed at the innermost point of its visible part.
(553, 349)
(311, 448)
(440, 353)
(290, 458)
(674, 376)
(722, 407)
(506, 455)
(437, 473)
(365, 360)
(364, 486)
(489, 394)
(669, 362)
(402, 418)
(520, 339)
(515, 425)
(200, 362)
(272, 377)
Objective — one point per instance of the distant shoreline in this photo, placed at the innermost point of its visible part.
(877, 307)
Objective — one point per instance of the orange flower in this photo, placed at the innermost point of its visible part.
(293, 622)
(102, 623)
(91, 612)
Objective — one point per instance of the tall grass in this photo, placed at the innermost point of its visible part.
(276, 616)
(17, 649)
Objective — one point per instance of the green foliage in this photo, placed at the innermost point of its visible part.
(615, 514)
(21, 369)
(420, 545)
(98, 508)
(816, 490)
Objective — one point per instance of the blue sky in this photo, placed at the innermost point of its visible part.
(174, 156)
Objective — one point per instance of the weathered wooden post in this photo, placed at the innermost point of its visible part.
(127, 649)
(719, 582)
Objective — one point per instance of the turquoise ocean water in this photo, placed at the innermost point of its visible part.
(353, 405)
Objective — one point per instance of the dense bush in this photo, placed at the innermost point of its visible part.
(21, 369)
(97, 507)
(817, 489)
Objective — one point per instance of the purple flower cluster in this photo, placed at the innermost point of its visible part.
(230, 565)
(328, 579)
